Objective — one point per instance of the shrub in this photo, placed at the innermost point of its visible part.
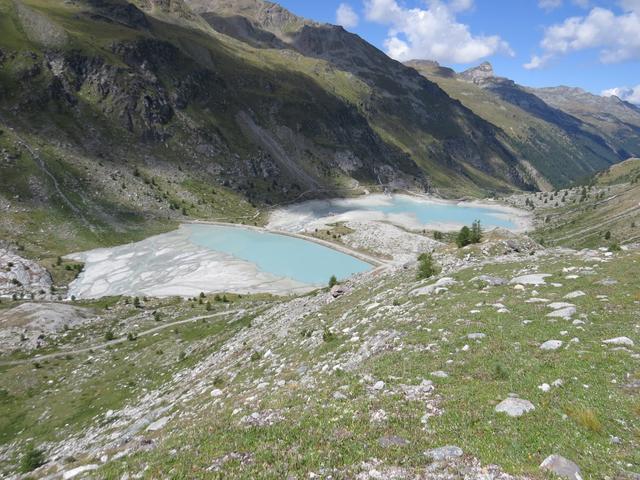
(438, 235)
(208, 307)
(131, 336)
(615, 247)
(607, 236)
(500, 372)
(328, 335)
(32, 459)
(426, 267)
(109, 336)
(333, 281)
(255, 356)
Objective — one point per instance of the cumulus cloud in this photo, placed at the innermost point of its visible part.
(629, 94)
(630, 5)
(432, 32)
(537, 61)
(553, 4)
(346, 16)
(549, 4)
(614, 36)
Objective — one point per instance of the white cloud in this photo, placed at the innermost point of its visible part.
(630, 5)
(346, 16)
(615, 36)
(624, 93)
(432, 32)
(537, 61)
(549, 5)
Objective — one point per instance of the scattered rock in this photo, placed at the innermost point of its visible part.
(262, 419)
(551, 345)
(444, 453)
(565, 313)
(242, 458)
(430, 289)
(514, 407)
(339, 290)
(439, 374)
(392, 441)
(534, 279)
(79, 470)
(575, 294)
(476, 336)
(489, 280)
(379, 385)
(626, 341)
(158, 424)
(379, 416)
(562, 467)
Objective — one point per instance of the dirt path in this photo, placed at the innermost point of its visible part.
(117, 341)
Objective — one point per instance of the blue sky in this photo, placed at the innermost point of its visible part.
(586, 43)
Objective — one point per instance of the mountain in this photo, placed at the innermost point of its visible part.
(618, 120)
(567, 134)
(120, 118)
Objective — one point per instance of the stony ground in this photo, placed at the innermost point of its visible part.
(514, 354)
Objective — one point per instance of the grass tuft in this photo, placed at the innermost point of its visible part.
(586, 418)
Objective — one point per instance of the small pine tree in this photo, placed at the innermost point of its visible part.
(464, 237)
(426, 266)
(607, 236)
(476, 232)
(208, 306)
(333, 281)
(136, 302)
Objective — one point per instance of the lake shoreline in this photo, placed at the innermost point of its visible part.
(300, 217)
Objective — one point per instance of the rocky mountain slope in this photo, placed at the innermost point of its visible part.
(515, 362)
(566, 133)
(121, 118)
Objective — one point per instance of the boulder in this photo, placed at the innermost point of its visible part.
(442, 454)
(438, 287)
(514, 407)
(625, 341)
(561, 467)
(551, 345)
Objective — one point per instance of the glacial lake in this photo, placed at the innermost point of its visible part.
(210, 258)
(404, 210)
(280, 255)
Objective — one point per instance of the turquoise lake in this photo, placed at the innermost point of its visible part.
(424, 212)
(280, 255)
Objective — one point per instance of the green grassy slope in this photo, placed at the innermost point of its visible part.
(309, 350)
